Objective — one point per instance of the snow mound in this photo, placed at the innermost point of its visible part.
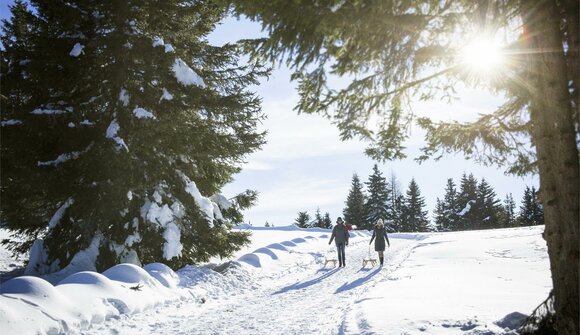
(130, 274)
(267, 251)
(47, 302)
(277, 246)
(252, 259)
(87, 277)
(31, 286)
(163, 274)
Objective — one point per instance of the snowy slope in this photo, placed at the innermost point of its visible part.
(440, 283)
(8, 263)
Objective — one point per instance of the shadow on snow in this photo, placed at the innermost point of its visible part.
(301, 285)
(358, 282)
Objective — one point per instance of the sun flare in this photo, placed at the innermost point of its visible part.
(482, 56)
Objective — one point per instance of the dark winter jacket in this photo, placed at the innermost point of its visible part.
(381, 237)
(339, 234)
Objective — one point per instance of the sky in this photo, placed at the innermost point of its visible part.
(471, 282)
(305, 166)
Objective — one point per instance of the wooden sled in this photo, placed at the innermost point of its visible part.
(372, 261)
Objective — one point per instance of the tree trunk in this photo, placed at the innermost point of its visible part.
(553, 134)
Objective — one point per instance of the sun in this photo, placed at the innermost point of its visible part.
(482, 56)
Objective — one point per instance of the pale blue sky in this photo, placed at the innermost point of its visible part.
(304, 165)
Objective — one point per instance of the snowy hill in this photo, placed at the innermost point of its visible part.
(432, 283)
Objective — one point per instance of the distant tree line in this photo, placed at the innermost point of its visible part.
(304, 220)
(383, 199)
(474, 205)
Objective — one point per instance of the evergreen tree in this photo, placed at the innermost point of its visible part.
(509, 206)
(302, 220)
(441, 223)
(396, 204)
(446, 212)
(327, 222)
(414, 216)
(538, 213)
(466, 202)
(354, 212)
(488, 207)
(125, 124)
(531, 212)
(378, 201)
(318, 220)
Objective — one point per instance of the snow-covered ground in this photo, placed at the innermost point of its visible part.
(433, 283)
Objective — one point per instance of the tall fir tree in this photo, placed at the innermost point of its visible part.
(378, 202)
(439, 216)
(302, 220)
(396, 204)
(124, 124)
(466, 202)
(446, 212)
(538, 213)
(509, 208)
(414, 216)
(531, 211)
(318, 219)
(488, 207)
(327, 222)
(354, 212)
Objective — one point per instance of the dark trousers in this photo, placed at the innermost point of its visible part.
(340, 249)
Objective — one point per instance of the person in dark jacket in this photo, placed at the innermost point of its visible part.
(340, 236)
(380, 233)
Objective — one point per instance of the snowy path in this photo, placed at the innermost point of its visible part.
(302, 298)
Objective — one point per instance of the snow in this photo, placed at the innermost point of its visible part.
(37, 259)
(476, 282)
(205, 204)
(169, 48)
(59, 213)
(467, 208)
(135, 237)
(77, 50)
(61, 158)
(164, 216)
(11, 122)
(166, 95)
(158, 41)
(185, 75)
(124, 97)
(172, 246)
(41, 111)
(222, 201)
(8, 261)
(142, 113)
(112, 134)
